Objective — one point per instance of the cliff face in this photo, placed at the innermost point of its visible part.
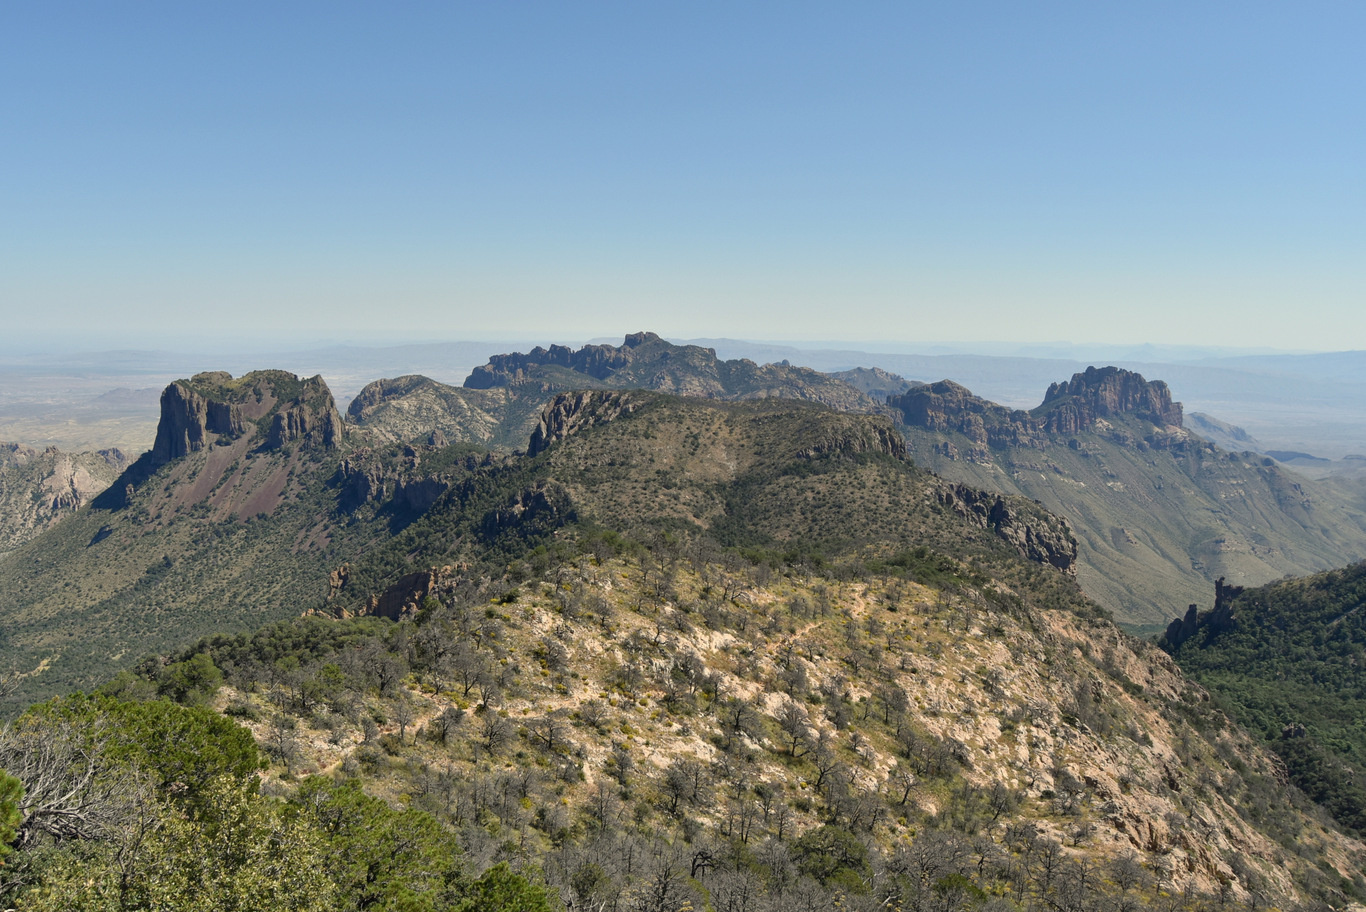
(213, 405)
(39, 488)
(1037, 535)
(1072, 406)
(568, 413)
(311, 416)
(946, 406)
(189, 418)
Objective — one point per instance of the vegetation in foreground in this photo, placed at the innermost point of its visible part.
(615, 725)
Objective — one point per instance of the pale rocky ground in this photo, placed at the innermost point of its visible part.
(1136, 779)
(38, 488)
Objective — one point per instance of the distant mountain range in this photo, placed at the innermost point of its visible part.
(259, 502)
(645, 599)
(1158, 512)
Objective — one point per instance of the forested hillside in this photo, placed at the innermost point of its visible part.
(1287, 661)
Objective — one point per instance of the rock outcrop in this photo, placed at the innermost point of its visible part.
(1213, 622)
(1037, 535)
(188, 418)
(39, 488)
(947, 406)
(374, 476)
(213, 406)
(1069, 407)
(307, 422)
(568, 413)
(868, 436)
(1074, 405)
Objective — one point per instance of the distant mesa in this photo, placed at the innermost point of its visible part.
(213, 405)
(267, 409)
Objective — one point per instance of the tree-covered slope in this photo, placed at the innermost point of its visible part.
(653, 726)
(681, 653)
(788, 482)
(1289, 661)
(228, 521)
(256, 503)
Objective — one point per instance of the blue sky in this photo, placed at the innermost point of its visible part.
(1122, 173)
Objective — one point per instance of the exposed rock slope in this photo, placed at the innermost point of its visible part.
(960, 734)
(39, 488)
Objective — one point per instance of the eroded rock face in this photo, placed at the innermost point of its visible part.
(305, 422)
(1038, 535)
(1069, 407)
(372, 476)
(947, 406)
(212, 406)
(188, 419)
(39, 488)
(1074, 405)
(568, 413)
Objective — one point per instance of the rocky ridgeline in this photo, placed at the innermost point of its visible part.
(1069, 407)
(645, 361)
(597, 361)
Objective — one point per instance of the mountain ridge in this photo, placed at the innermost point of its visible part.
(1159, 511)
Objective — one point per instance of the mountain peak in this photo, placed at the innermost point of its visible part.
(213, 403)
(1099, 392)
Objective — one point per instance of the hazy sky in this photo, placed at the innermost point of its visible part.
(1094, 172)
